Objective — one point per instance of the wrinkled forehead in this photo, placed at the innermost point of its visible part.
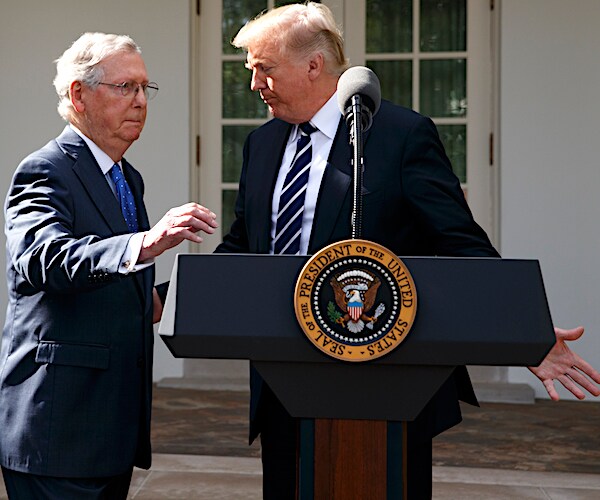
(125, 65)
(261, 53)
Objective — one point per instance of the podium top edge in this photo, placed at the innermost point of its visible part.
(412, 257)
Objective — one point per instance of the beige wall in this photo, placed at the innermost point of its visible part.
(33, 33)
(550, 155)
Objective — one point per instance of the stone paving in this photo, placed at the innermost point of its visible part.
(501, 451)
(541, 437)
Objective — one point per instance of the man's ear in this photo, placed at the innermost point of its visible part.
(316, 65)
(76, 97)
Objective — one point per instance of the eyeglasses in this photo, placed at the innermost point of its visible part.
(132, 88)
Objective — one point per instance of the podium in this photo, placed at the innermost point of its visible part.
(471, 311)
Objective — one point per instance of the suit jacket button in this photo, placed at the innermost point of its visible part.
(140, 362)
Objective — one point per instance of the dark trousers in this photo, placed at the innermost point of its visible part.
(23, 486)
(279, 448)
(279, 445)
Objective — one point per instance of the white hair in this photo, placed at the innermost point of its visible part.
(81, 63)
(303, 29)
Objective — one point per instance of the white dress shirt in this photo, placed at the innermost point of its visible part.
(326, 120)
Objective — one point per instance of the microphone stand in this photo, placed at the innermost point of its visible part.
(356, 138)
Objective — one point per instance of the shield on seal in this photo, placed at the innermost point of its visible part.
(355, 306)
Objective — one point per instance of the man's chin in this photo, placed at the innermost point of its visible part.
(133, 133)
(279, 112)
(132, 138)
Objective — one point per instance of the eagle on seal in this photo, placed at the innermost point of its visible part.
(355, 293)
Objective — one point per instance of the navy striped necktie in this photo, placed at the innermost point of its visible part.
(291, 202)
(125, 198)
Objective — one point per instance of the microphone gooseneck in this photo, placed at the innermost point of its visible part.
(359, 98)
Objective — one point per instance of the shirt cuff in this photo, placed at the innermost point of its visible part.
(129, 263)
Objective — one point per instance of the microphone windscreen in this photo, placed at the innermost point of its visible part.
(359, 80)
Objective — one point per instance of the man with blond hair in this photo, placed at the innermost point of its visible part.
(76, 356)
(413, 205)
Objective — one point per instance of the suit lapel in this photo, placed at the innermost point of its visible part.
(94, 182)
(265, 162)
(335, 186)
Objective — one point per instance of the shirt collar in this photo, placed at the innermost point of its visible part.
(326, 120)
(103, 160)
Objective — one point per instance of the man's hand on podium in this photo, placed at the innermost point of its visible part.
(568, 368)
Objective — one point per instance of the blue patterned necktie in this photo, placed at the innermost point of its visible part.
(291, 202)
(125, 198)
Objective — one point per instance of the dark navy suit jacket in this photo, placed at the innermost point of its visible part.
(76, 356)
(413, 205)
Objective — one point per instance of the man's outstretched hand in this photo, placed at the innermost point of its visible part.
(178, 224)
(562, 364)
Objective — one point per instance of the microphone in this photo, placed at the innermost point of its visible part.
(359, 98)
(363, 82)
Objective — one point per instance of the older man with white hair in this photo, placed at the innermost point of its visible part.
(76, 356)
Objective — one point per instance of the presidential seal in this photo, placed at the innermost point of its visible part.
(355, 300)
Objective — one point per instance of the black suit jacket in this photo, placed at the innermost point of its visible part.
(76, 357)
(413, 205)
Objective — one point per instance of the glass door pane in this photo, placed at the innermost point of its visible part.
(389, 26)
(236, 13)
(443, 26)
(443, 87)
(454, 138)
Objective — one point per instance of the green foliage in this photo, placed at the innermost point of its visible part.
(332, 312)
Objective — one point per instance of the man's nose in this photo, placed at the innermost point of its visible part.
(257, 82)
(140, 98)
